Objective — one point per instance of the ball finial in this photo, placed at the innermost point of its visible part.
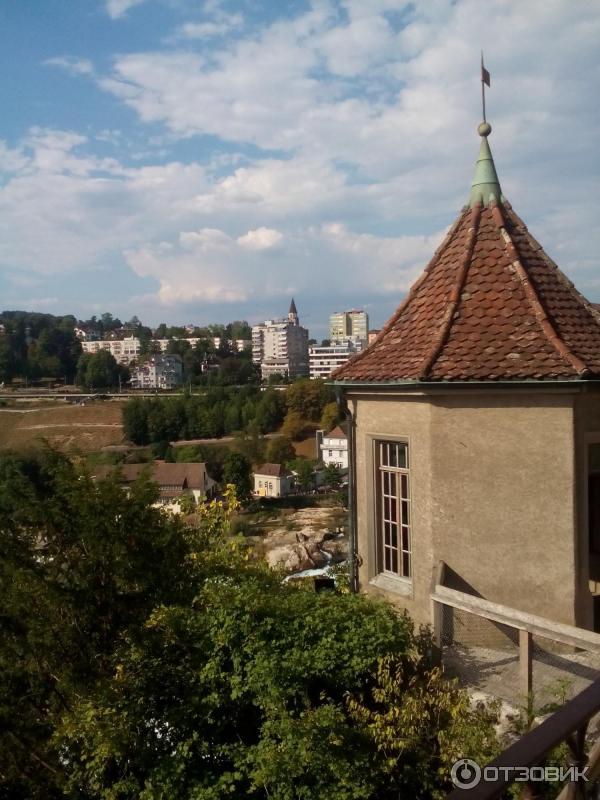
(484, 129)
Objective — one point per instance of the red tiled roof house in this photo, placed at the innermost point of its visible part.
(475, 425)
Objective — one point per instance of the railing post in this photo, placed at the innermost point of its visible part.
(437, 610)
(525, 663)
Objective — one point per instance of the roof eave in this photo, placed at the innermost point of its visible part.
(413, 384)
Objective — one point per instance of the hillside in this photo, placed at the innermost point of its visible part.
(67, 427)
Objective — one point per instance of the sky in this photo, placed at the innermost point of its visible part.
(189, 161)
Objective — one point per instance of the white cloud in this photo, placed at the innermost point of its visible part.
(260, 239)
(75, 66)
(116, 8)
(354, 132)
(225, 23)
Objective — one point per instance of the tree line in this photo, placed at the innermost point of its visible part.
(223, 411)
(35, 346)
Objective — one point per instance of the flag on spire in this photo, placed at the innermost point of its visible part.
(485, 75)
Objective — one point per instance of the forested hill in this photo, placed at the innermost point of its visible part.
(37, 345)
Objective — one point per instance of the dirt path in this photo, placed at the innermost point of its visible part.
(70, 425)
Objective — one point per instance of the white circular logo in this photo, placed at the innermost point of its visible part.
(465, 773)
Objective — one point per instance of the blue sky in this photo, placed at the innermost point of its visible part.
(193, 161)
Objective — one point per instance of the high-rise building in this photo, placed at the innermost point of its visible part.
(280, 346)
(349, 324)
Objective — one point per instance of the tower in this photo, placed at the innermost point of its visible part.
(475, 426)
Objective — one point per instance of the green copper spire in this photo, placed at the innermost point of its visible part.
(486, 186)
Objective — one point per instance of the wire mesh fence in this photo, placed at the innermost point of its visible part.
(485, 656)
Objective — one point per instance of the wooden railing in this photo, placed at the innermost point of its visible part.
(568, 724)
(527, 625)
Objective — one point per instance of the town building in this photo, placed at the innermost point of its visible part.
(123, 350)
(332, 447)
(281, 346)
(157, 372)
(373, 334)
(475, 427)
(272, 480)
(324, 359)
(353, 324)
(174, 481)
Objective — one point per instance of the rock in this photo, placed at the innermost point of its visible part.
(337, 548)
(296, 557)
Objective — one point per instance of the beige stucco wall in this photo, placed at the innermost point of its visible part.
(494, 495)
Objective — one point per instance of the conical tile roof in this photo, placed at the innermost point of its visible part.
(490, 306)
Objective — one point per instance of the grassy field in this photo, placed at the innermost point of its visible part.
(67, 427)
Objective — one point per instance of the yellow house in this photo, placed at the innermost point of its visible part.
(475, 426)
(272, 480)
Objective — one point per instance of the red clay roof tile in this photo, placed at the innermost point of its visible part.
(491, 305)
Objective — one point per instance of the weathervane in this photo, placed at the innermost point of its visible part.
(485, 81)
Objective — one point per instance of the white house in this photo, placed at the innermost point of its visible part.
(333, 447)
(272, 480)
(158, 372)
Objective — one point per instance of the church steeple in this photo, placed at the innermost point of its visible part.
(293, 313)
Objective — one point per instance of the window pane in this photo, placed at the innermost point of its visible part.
(406, 565)
(403, 456)
(405, 516)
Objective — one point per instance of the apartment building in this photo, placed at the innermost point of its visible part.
(124, 350)
(353, 323)
(324, 359)
(281, 346)
(158, 372)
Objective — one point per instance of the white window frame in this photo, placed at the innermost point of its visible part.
(393, 509)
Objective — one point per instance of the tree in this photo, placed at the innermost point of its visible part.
(308, 398)
(135, 421)
(98, 371)
(305, 473)
(80, 564)
(237, 471)
(330, 416)
(144, 659)
(332, 476)
(293, 426)
(280, 451)
(270, 411)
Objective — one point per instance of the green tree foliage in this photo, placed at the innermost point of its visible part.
(305, 473)
(80, 564)
(238, 329)
(293, 426)
(216, 412)
(99, 371)
(330, 416)
(142, 660)
(308, 398)
(280, 451)
(237, 471)
(332, 476)
(38, 346)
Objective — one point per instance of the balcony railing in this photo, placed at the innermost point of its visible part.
(568, 724)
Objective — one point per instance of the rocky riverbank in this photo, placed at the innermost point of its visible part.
(306, 539)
